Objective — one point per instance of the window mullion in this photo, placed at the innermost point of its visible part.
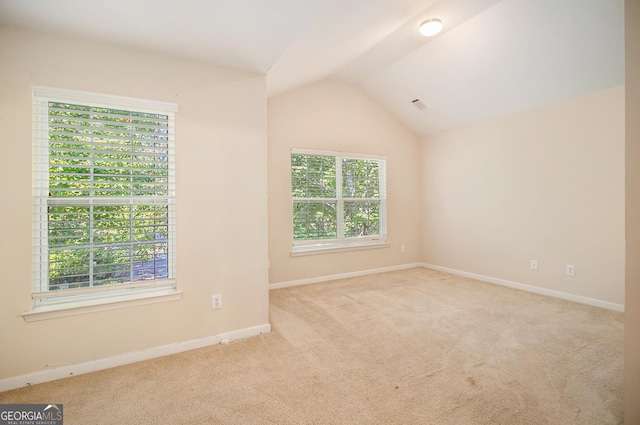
(131, 239)
(131, 194)
(339, 196)
(382, 190)
(91, 206)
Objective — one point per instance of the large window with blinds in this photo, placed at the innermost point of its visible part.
(339, 200)
(103, 195)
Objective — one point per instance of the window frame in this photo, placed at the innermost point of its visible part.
(64, 302)
(341, 243)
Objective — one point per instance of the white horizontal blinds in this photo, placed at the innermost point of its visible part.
(337, 197)
(104, 197)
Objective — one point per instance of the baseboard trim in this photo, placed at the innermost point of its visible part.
(530, 288)
(309, 281)
(128, 358)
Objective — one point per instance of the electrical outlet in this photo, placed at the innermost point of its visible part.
(571, 270)
(403, 249)
(534, 264)
(216, 301)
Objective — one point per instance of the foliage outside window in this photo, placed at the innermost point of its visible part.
(103, 197)
(338, 199)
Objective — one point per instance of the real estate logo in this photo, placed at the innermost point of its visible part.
(31, 414)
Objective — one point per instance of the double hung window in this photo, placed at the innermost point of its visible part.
(339, 200)
(103, 197)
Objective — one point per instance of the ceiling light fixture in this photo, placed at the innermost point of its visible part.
(431, 27)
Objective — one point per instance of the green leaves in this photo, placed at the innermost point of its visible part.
(361, 218)
(107, 152)
(313, 176)
(315, 220)
(360, 178)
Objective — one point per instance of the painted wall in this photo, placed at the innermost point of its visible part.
(632, 289)
(221, 170)
(336, 116)
(544, 184)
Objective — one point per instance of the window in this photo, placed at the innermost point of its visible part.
(104, 199)
(339, 201)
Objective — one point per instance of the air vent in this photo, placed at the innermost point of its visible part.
(419, 104)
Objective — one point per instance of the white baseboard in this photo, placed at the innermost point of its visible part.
(530, 288)
(128, 358)
(341, 276)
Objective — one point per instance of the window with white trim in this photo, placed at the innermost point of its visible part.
(103, 197)
(339, 200)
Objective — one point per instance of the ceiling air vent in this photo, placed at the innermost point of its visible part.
(419, 104)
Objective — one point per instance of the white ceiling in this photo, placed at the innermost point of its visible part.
(494, 56)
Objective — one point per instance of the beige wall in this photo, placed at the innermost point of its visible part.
(221, 199)
(336, 116)
(632, 294)
(545, 184)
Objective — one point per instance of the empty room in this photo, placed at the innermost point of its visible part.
(320, 212)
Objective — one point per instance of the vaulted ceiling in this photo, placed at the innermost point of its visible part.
(492, 58)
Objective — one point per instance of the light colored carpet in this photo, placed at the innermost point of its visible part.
(409, 347)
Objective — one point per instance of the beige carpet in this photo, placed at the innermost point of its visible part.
(408, 347)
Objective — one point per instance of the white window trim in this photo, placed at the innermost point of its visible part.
(325, 246)
(104, 100)
(352, 245)
(82, 302)
(303, 151)
(116, 300)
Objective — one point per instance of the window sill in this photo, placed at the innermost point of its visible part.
(327, 249)
(77, 307)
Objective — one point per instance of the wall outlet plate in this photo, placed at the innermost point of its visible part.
(571, 270)
(216, 301)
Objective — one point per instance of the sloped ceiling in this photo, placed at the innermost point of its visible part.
(493, 57)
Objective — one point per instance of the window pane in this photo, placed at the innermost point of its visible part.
(105, 245)
(69, 267)
(361, 218)
(313, 176)
(107, 152)
(360, 178)
(315, 220)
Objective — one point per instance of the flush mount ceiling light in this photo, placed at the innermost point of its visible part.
(431, 27)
